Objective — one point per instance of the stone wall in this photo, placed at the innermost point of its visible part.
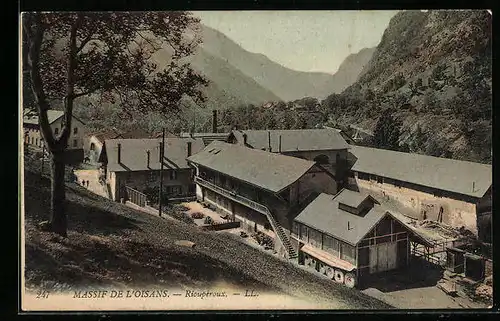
(421, 205)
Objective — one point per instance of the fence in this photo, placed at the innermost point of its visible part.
(136, 197)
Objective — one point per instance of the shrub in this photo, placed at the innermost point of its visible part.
(208, 220)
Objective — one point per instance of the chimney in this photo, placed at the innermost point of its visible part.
(189, 149)
(119, 153)
(279, 146)
(269, 140)
(214, 121)
(245, 137)
(148, 153)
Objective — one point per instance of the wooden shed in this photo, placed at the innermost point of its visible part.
(349, 236)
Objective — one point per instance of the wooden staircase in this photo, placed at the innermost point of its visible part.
(277, 228)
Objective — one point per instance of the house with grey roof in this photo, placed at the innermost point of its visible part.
(261, 190)
(95, 141)
(349, 236)
(455, 193)
(134, 165)
(324, 146)
(33, 136)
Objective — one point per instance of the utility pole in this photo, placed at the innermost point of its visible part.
(161, 153)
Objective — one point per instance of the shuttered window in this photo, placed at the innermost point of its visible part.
(331, 245)
(303, 233)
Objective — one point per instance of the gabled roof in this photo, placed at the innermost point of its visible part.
(323, 214)
(435, 172)
(102, 136)
(52, 115)
(269, 171)
(115, 134)
(207, 137)
(134, 153)
(354, 199)
(136, 134)
(293, 140)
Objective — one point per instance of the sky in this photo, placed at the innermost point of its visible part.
(301, 40)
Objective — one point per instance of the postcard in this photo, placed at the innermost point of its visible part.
(256, 160)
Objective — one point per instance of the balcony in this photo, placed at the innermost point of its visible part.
(278, 230)
(233, 196)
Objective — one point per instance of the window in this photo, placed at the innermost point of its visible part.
(173, 175)
(75, 142)
(92, 146)
(75, 130)
(36, 141)
(331, 245)
(303, 232)
(315, 238)
(348, 253)
(56, 131)
(174, 190)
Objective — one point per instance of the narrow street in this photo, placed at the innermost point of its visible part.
(92, 176)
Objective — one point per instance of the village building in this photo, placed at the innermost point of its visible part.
(261, 190)
(94, 142)
(350, 236)
(326, 147)
(452, 192)
(133, 166)
(344, 135)
(33, 136)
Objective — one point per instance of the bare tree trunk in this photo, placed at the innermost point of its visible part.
(58, 219)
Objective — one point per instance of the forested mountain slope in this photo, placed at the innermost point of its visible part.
(434, 69)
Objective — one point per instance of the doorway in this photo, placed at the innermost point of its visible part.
(383, 257)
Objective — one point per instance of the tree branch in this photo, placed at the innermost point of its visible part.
(86, 40)
(34, 42)
(70, 83)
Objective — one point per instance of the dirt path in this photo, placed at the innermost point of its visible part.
(92, 176)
